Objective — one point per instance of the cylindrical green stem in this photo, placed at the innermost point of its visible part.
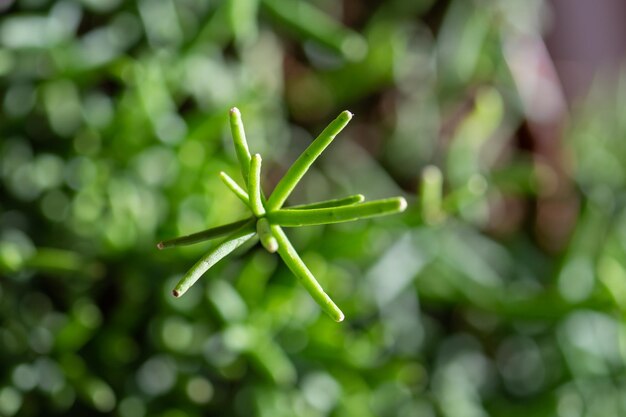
(295, 173)
(211, 233)
(311, 23)
(300, 270)
(268, 240)
(231, 243)
(254, 186)
(299, 217)
(431, 192)
(337, 202)
(239, 139)
(235, 188)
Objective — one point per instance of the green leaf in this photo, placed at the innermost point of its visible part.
(310, 22)
(268, 240)
(300, 270)
(337, 202)
(295, 173)
(235, 188)
(254, 186)
(239, 139)
(208, 234)
(431, 191)
(300, 217)
(231, 243)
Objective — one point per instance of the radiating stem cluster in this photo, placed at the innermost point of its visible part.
(268, 215)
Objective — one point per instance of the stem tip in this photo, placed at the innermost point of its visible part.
(176, 293)
(272, 246)
(402, 204)
(234, 111)
(160, 246)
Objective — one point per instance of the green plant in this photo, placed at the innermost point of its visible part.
(269, 216)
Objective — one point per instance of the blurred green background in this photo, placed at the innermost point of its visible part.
(506, 299)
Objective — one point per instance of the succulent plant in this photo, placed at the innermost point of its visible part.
(268, 216)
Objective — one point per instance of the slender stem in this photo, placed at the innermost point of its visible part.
(300, 270)
(235, 188)
(239, 139)
(475, 188)
(295, 173)
(208, 234)
(310, 22)
(254, 186)
(431, 192)
(337, 202)
(232, 242)
(57, 260)
(264, 231)
(287, 217)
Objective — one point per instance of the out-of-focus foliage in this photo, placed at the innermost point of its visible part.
(114, 127)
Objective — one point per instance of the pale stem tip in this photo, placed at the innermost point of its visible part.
(176, 293)
(402, 204)
(432, 172)
(234, 111)
(160, 245)
(272, 246)
(340, 318)
(348, 114)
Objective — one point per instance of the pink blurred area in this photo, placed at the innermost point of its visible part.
(585, 38)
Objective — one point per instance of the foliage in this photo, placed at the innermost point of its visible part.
(499, 291)
(268, 217)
